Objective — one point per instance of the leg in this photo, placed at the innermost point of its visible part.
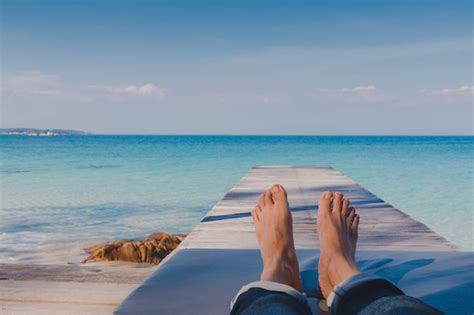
(266, 298)
(366, 294)
(346, 289)
(279, 289)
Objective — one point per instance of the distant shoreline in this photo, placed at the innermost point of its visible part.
(41, 132)
(65, 132)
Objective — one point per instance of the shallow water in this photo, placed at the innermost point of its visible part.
(59, 194)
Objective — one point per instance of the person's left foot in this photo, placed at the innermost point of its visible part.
(274, 230)
(338, 226)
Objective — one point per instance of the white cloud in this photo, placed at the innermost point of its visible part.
(349, 90)
(243, 98)
(465, 90)
(32, 83)
(31, 86)
(360, 94)
(264, 99)
(148, 89)
(361, 89)
(357, 94)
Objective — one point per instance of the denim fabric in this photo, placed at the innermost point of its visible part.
(266, 297)
(257, 301)
(362, 294)
(396, 305)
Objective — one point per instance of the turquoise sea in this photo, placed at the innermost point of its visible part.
(59, 194)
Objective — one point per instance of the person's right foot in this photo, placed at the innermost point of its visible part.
(274, 229)
(337, 229)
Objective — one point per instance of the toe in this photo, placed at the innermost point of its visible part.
(261, 201)
(268, 197)
(351, 216)
(255, 217)
(345, 206)
(337, 204)
(355, 227)
(324, 202)
(278, 193)
(349, 212)
(327, 195)
(355, 223)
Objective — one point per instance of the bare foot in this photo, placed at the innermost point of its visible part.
(274, 229)
(337, 229)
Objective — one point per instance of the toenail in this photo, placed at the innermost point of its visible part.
(275, 188)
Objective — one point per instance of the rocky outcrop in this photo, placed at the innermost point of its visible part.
(151, 250)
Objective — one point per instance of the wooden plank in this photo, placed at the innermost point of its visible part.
(229, 224)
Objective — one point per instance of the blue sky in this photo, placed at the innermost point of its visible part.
(238, 67)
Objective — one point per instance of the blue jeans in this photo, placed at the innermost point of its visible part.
(361, 294)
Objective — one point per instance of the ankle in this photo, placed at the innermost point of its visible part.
(281, 271)
(275, 276)
(340, 270)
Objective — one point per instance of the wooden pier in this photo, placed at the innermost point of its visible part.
(229, 224)
(221, 254)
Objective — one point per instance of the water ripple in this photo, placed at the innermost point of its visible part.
(14, 171)
(99, 166)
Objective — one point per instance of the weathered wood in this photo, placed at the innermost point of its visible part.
(229, 223)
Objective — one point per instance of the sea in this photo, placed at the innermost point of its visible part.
(61, 194)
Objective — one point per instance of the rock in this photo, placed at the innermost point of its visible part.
(151, 250)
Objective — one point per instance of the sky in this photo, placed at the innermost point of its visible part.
(238, 67)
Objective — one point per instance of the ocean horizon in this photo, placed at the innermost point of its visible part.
(61, 194)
